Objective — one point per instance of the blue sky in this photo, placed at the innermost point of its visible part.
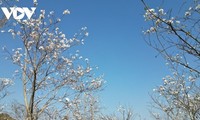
(115, 44)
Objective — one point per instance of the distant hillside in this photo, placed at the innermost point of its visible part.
(4, 116)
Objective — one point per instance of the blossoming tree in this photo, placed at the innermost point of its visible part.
(123, 114)
(176, 37)
(5, 83)
(54, 76)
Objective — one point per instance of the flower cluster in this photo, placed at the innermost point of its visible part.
(5, 82)
(159, 19)
(177, 93)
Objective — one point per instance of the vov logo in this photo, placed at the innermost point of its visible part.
(18, 13)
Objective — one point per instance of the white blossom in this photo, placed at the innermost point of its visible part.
(161, 11)
(58, 19)
(66, 12)
(86, 34)
(197, 7)
(187, 13)
(67, 100)
(191, 79)
(6, 81)
(178, 22)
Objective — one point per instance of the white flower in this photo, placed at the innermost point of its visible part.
(80, 57)
(197, 7)
(41, 48)
(187, 14)
(18, 33)
(86, 59)
(65, 12)
(84, 28)
(88, 69)
(152, 29)
(10, 30)
(161, 11)
(161, 88)
(178, 22)
(51, 13)
(58, 19)
(62, 35)
(13, 34)
(190, 8)
(42, 11)
(158, 21)
(67, 99)
(86, 34)
(170, 21)
(191, 79)
(41, 16)
(6, 81)
(16, 71)
(151, 10)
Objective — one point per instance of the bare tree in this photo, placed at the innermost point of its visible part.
(122, 114)
(17, 111)
(52, 73)
(176, 37)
